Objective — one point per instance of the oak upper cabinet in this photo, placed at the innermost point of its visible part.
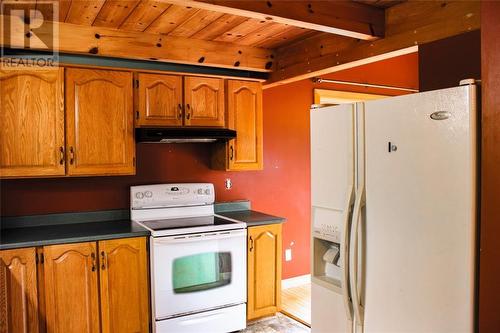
(204, 101)
(99, 122)
(159, 100)
(244, 114)
(18, 291)
(32, 123)
(71, 289)
(124, 285)
(264, 270)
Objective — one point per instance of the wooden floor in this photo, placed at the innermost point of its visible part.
(296, 303)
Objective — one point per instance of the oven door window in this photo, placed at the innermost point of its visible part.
(202, 271)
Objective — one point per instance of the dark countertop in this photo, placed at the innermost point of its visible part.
(68, 233)
(252, 218)
(50, 229)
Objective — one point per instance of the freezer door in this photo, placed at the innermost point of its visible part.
(332, 167)
(327, 311)
(332, 196)
(420, 212)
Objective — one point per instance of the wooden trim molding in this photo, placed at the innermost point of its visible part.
(327, 96)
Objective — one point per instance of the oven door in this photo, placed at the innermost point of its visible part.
(197, 272)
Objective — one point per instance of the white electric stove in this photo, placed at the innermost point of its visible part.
(198, 259)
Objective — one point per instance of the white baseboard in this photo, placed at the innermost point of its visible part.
(295, 281)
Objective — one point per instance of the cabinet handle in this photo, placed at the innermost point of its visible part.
(103, 258)
(188, 115)
(180, 110)
(71, 155)
(231, 155)
(251, 244)
(92, 255)
(61, 151)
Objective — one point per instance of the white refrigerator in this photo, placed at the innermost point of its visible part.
(393, 234)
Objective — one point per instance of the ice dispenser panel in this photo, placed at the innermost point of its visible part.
(327, 222)
(327, 261)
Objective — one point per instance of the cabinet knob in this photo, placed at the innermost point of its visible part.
(251, 244)
(92, 255)
(188, 114)
(103, 258)
(231, 155)
(61, 159)
(180, 111)
(71, 155)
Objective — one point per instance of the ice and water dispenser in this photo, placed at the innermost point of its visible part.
(326, 251)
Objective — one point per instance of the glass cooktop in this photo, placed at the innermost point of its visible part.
(186, 222)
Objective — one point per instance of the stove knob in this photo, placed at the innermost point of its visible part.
(148, 194)
(139, 195)
(207, 191)
(200, 191)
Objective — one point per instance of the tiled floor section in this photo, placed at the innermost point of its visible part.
(296, 302)
(277, 324)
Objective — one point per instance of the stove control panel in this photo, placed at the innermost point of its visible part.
(171, 195)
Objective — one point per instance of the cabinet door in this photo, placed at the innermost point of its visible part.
(160, 100)
(32, 123)
(264, 270)
(204, 99)
(71, 289)
(99, 122)
(124, 285)
(18, 291)
(244, 103)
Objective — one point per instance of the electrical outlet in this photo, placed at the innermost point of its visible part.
(228, 183)
(288, 254)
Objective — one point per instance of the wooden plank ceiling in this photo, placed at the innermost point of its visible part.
(175, 20)
(231, 34)
(292, 39)
(159, 17)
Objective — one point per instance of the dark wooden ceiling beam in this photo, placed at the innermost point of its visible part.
(345, 18)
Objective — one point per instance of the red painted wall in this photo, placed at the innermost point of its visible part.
(282, 188)
(489, 274)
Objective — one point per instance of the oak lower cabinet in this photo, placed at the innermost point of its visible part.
(264, 270)
(99, 122)
(18, 291)
(244, 115)
(124, 285)
(71, 288)
(32, 123)
(87, 287)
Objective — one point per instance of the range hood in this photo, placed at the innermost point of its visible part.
(183, 135)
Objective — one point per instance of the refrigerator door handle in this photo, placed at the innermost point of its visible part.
(353, 265)
(345, 254)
